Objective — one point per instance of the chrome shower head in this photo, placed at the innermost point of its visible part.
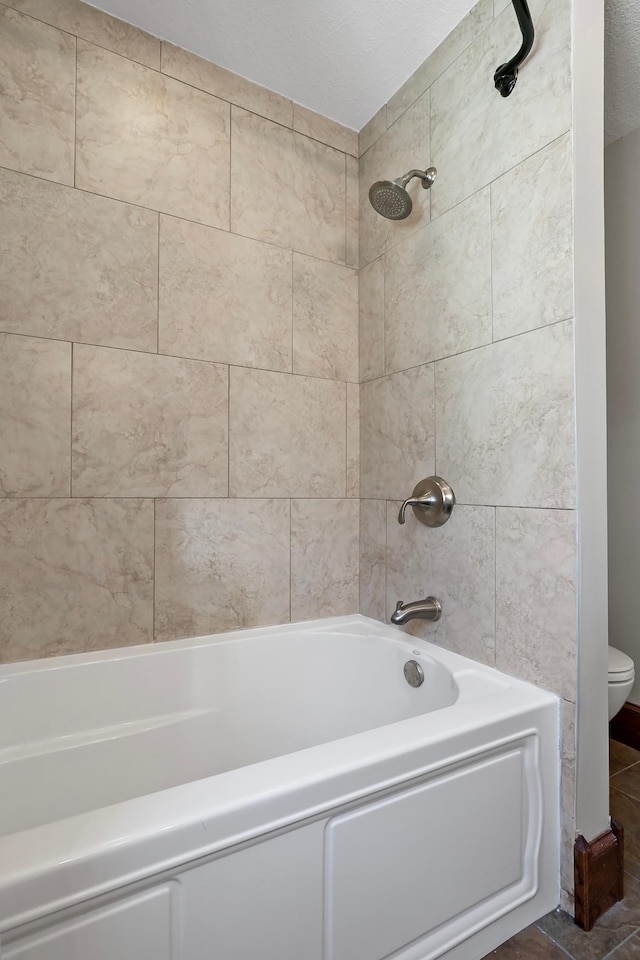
(390, 198)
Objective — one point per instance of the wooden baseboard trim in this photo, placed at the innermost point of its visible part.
(599, 874)
(625, 726)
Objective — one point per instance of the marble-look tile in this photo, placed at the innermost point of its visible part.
(324, 558)
(37, 97)
(452, 46)
(397, 433)
(222, 83)
(476, 135)
(536, 597)
(568, 809)
(529, 944)
(372, 130)
(628, 951)
(454, 563)
(403, 147)
(274, 195)
(352, 225)
(148, 426)
(172, 154)
(220, 565)
(325, 319)
(224, 297)
(353, 440)
(86, 585)
(35, 417)
(627, 781)
(327, 131)
(437, 287)
(371, 320)
(621, 756)
(626, 810)
(287, 435)
(373, 559)
(74, 266)
(615, 926)
(532, 242)
(89, 23)
(499, 6)
(505, 416)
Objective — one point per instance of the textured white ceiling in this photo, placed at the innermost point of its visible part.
(345, 58)
(341, 58)
(622, 68)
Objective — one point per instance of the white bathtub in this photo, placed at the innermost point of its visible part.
(273, 794)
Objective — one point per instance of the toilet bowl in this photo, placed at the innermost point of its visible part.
(621, 678)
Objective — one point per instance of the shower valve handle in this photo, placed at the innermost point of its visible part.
(432, 501)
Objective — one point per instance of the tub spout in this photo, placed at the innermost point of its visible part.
(428, 609)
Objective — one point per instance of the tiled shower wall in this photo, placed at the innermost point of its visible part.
(466, 356)
(178, 343)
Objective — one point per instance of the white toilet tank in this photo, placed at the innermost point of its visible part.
(621, 680)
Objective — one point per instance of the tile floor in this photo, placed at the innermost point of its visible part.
(616, 936)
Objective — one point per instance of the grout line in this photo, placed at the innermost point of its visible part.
(491, 301)
(290, 560)
(495, 586)
(229, 432)
(71, 425)
(158, 293)
(153, 592)
(75, 113)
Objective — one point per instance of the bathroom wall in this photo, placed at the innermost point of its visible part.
(467, 357)
(178, 343)
(622, 209)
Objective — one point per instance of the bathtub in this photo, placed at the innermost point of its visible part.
(273, 794)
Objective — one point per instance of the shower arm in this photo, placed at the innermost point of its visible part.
(506, 75)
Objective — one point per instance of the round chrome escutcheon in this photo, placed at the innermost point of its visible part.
(413, 673)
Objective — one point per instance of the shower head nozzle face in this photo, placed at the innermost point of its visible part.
(390, 200)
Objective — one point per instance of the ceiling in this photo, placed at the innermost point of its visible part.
(345, 58)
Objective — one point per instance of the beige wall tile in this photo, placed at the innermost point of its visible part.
(404, 147)
(325, 319)
(372, 130)
(456, 564)
(327, 131)
(536, 597)
(35, 417)
(532, 242)
(75, 266)
(324, 558)
(478, 18)
(37, 97)
(437, 287)
(220, 564)
(86, 585)
(93, 25)
(371, 320)
(491, 133)
(172, 154)
(223, 83)
(373, 559)
(148, 425)
(505, 416)
(287, 435)
(353, 440)
(224, 297)
(353, 214)
(286, 188)
(397, 433)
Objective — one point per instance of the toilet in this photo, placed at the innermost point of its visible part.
(621, 678)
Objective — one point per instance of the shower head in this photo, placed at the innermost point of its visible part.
(390, 199)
